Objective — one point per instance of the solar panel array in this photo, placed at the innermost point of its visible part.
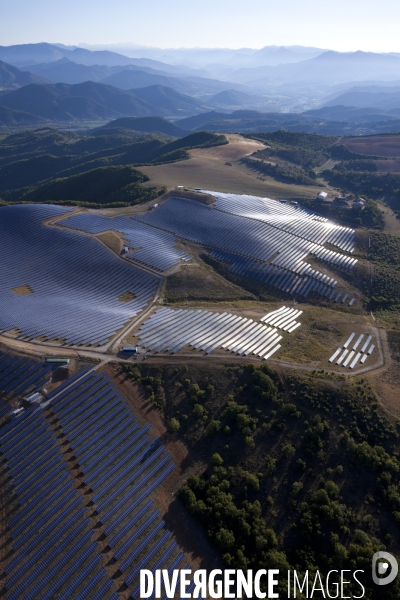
(76, 282)
(297, 220)
(271, 252)
(349, 356)
(153, 248)
(168, 330)
(301, 283)
(18, 375)
(283, 318)
(53, 526)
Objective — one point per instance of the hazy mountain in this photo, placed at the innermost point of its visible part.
(84, 101)
(329, 68)
(16, 118)
(66, 71)
(353, 114)
(385, 98)
(143, 125)
(198, 121)
(131, 79)
(12, 78)
(167, 100)
(310, 122)
(208, 57)
(26, 54)
(235, 99)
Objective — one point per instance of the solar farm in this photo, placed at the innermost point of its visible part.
(78, 471)
(75, 284)
(59, 285)
(81, 469)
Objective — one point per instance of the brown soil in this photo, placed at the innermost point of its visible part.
(112, 239)
(378, 145)
(388, 166)
(127, 297)
(22, 290)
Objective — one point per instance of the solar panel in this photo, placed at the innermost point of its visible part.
(119, 552)
(127, 526)
(147, 557)
(148, 538)
(160, 562)
(64, 269)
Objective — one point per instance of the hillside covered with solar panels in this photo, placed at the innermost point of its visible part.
(156, 356)
(77, 290)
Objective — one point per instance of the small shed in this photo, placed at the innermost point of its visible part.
(322, 196)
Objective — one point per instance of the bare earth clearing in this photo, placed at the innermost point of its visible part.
(378, 145)
(207, 169)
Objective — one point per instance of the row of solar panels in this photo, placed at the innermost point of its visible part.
(247, 237)
(118, 469)
(300, 283)
(153, 247)
(19, 374)
(76, 282)
(294, 219)
(350, 356)
(171, 330)
(54, 553)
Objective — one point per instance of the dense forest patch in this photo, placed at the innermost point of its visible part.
(303, 470)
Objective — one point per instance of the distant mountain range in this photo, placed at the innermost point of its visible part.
(384, 98)
(59, 84)
(91, 101)
(11, 77)
(329, 68)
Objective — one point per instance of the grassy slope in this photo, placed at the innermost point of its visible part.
(208, 169)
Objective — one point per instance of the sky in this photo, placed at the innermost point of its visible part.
(343, 25)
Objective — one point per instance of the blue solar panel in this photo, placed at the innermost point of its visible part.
(31, 506)
(93, 450)
(147, 557)
(68, 403)
(71, 570)
(119, 552)
(45, 516)
(80, 576)
(68, 383)
(17, 422)
(140, 547)
(36, 440)
(22, 498)
(52, 572)
(35, 458)
(108, 452)
(93, 445)
(108, 467)
(79, 403)
(57, 529)
(97, 402)
(38, 473)
(53, 551)
(130, 493)
(92, 584)
(127, 481)
(63, 392)
(45, 490)
(160, 562)
(127, 456)
(64, 269)
(127, 526)
(91, 434)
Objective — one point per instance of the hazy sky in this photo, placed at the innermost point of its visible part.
(340, 25)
